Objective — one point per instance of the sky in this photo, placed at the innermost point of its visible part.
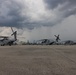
(38, 19)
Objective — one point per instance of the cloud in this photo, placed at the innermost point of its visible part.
(20, 13)
(10, 13)
(65, 8)
(30, 14)
(55, 3)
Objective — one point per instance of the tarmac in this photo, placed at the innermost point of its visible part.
(38, 60)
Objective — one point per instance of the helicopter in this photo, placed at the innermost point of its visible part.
(8, 40)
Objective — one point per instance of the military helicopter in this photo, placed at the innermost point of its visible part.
(8, 40)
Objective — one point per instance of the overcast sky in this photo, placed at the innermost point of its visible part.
(39, 19)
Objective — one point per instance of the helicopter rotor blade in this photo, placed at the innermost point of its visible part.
(12, 29)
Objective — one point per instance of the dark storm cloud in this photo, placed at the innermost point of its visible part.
(10, 13)
(54, 3)
(64, 8)
(16, 13)
(68, 7)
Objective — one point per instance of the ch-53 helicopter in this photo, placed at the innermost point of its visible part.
(8, 40)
